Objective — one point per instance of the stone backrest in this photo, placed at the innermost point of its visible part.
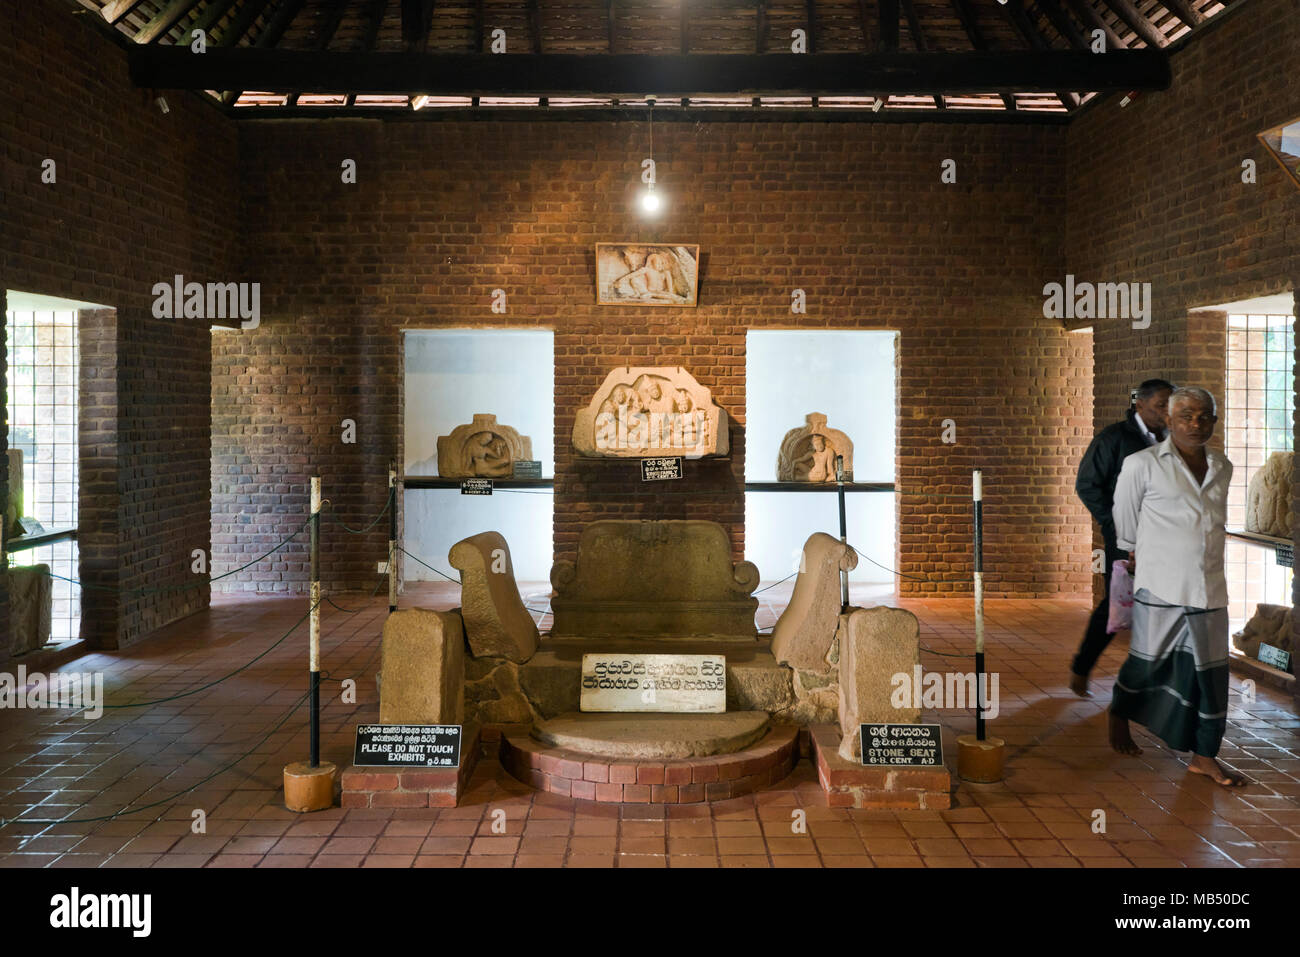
(668, 579)
(497, 625)
(805, 631)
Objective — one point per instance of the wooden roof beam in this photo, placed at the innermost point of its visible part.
(1063, 25)
(208, 18)
(328, 28)
(248, 13)
(888, 42)
(1020, 20)
(157, 66)
(918, 40)
(976, 36)
(1087, 15)
(417, 18)
(117, 9)
(1184, 11)
(374, 20)
(165, 19)
(269, 37)
(1140, 24)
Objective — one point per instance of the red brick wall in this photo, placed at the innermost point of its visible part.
(856, 215)
(139, 197)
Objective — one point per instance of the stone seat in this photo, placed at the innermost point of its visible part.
(666, 580)
(653, 736)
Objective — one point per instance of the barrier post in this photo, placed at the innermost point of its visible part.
(309, 785)
(844, 534)
(392, 537)
(979, 757)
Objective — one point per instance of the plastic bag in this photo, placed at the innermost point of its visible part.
(1121, 598)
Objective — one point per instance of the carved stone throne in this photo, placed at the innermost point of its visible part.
(663, 580)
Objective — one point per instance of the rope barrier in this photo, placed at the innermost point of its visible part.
(392, 492)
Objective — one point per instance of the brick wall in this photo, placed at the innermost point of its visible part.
(139, 197)
(444, 212)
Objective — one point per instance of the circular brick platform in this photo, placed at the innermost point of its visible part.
(641, 738)
(591, 777)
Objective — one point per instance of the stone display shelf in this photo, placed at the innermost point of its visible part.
(434, 481)
(819, 487)
(1254, 538)
(22, 543)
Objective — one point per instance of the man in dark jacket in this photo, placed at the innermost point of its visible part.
(1143, 427)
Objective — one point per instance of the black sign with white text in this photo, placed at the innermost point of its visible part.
(658, 470)
(1285, 555)
(408, 745)
(476, 486)
(902, 745)
(527, 469)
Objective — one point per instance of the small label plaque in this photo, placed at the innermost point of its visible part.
(902, 745)
(659, 470)
(408, 745)
(690, 683)
(1274, 656)
(1285, 555)
(476, 486)
(527, 469)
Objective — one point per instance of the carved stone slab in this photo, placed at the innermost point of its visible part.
(482, 449)
(1268, 500)
(808, 453)
(14, 506)
(651, 411)
(635, 682)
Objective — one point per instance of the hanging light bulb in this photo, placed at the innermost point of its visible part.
(649, 201)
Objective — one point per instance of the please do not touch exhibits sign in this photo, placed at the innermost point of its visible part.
(635, 682)
(408, 745)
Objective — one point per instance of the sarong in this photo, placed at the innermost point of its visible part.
(1175, 679)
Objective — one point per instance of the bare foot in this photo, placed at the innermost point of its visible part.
(1079, 685)
(1120, 739)
(1216, 772)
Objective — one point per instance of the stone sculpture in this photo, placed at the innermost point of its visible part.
(423, 668)
(651, 411)
(14, 505)
(497, 625)
(664, 580)
(1268, 499)
(808, 453)
(875, 645)
(31, 603)
(804, 632)
(1270, 625)
(482, 449)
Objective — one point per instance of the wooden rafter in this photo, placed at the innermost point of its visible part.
(1087, 14)
(417, 19)
(270, 36)
(1184, 11)
(480, 26)
(248, 13)
(535, 25)
(1140, 24)
(1036, 41)
(760, 37)
(611, 15)
(374, 20)
(208, 18)
(976, 36)
(165, 19)
(811, 7)
(888, 42)
(918, 40)
(1063, 25)
(117, 9)
(328, 27)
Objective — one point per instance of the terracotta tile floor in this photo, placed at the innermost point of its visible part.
(58, 766)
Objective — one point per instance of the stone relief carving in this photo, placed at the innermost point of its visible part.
(482, 449)
(808, 453)
(1268, 499)
(649, 411)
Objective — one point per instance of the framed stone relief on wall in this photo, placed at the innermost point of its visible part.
(1283, 142)
(646, 274)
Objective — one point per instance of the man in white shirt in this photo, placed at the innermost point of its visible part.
(1170, 508)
